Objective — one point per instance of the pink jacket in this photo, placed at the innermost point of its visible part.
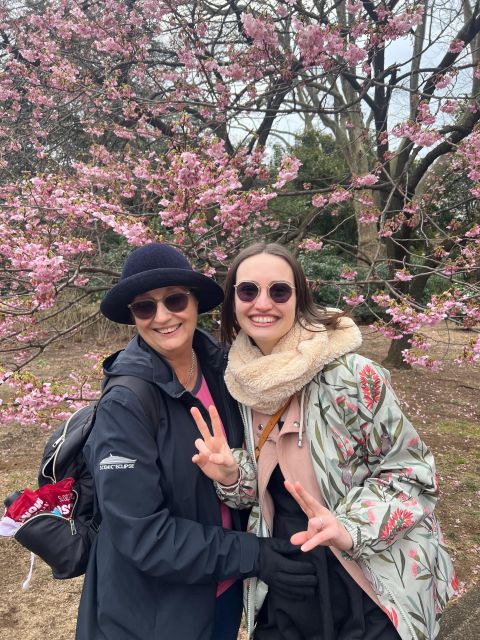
(282, 447)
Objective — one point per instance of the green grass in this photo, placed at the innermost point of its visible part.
(21, 479)
(460, 427)
(471, 483)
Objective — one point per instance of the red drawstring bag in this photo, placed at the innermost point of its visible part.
(46, 498)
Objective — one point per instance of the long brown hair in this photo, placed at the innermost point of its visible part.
(306, 311)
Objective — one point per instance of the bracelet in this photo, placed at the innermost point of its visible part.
(231, 488)
(233, 485)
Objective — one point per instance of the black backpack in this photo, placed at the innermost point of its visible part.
(64, 543)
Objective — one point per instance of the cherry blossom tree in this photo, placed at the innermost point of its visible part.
(124, 122)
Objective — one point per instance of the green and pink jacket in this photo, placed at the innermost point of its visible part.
(372, 470)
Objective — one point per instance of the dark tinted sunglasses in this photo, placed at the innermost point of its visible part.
(279, 292)
(147, 309)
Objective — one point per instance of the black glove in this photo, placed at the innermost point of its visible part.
(286, 569)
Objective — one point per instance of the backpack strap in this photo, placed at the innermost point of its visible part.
(145, 391)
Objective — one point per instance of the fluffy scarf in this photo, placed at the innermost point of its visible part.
(264, 383)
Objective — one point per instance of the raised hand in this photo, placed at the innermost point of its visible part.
(214, 456)
(323, 527)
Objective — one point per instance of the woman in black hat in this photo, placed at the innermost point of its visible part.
(169, 557)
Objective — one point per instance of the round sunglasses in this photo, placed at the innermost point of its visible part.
(147, 309)
(278, 292)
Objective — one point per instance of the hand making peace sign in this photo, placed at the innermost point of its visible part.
(214, 455)
(323, 527)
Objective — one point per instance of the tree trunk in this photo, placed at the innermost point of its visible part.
(370, 248)
(394, 359)
(368, 244)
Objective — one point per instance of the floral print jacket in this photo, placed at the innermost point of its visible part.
(378, 477)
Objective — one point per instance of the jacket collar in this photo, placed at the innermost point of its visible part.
(139, 359)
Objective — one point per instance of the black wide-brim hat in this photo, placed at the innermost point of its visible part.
(153, 266)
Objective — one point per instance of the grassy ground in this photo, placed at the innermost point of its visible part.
(443, 406)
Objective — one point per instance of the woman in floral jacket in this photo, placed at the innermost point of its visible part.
(350, 459)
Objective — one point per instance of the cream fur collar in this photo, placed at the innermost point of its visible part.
(264, 383)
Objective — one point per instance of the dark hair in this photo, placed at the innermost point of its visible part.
(306, 312)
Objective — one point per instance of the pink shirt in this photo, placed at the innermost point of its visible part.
(205, 397)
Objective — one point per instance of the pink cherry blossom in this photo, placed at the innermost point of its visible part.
(319, 200)
(310, 245)
(348, 274)
(456, 46)
(288, 171)
(354, 299)
(364, 181)
(403, 275)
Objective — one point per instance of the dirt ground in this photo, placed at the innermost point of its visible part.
(444, 406)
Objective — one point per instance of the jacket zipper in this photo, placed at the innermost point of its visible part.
(251, 582)
(399, 608)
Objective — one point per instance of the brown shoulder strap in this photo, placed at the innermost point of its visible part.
(269, 427)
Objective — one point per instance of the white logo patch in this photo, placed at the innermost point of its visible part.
(116, 462)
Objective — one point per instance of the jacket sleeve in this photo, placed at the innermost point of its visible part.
(121, 454)
(400, 488)
(242, 494)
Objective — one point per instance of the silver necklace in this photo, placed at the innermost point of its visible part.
(190, 371)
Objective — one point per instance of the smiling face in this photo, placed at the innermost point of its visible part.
(263, 320)
(169, 333)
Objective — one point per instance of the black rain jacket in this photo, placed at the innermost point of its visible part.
(161, 550)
